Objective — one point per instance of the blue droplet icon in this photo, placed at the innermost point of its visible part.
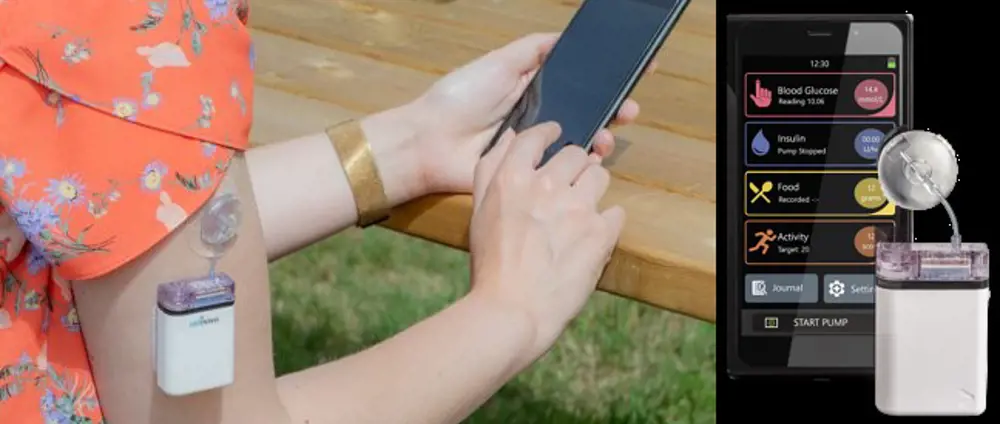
(760, 144)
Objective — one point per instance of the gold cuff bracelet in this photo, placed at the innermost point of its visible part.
(356, 157)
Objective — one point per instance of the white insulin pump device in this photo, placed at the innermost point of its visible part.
(931, 299)
(195, 335)
(931, 303)
(195, 321)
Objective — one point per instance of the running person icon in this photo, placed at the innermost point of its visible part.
(764, 238)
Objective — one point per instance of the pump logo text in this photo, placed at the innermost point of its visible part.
(201, 321)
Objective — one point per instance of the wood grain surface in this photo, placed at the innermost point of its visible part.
(322, 61)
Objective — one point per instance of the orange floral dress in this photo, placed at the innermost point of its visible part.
(118, 119)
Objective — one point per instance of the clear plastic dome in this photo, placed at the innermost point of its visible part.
(220, 223)
(917, 169)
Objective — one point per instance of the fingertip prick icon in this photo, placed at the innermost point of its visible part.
(761, 96)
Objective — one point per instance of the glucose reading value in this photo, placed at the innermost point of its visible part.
(812, 114)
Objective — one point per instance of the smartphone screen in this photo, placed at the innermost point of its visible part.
(593, 66)
(811, 101)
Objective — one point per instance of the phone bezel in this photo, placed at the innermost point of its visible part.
(666, 26)
(734, 366)
(663, 31)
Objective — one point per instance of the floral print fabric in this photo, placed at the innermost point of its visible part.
(118, 120)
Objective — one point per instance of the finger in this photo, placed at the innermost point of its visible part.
(627, 113)
(523, 83)
(566, 166)
(652, 67)
(758, 86)
(614, 220)
(604, 143)
(605, 237)
(592, 183)
(527, 148)
(526, 53)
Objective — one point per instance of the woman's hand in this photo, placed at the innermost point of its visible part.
(456, 118)
(538, 241)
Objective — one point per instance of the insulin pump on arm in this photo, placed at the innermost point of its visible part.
(195, 317)
(931, 299)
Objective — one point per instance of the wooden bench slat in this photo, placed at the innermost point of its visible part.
(646, 156)
(677, 99)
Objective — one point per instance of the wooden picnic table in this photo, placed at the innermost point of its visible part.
(323, 61)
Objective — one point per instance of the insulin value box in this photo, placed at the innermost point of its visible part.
(931, 313)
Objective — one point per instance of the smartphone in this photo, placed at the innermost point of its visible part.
(592, 69)
(811, 99)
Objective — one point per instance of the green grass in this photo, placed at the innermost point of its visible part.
(620, 362)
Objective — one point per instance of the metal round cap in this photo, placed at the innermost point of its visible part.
(907, 157)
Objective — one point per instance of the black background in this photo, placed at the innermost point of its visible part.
(948, 44)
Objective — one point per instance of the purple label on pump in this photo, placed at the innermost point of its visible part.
(196, 293)
(933, 262)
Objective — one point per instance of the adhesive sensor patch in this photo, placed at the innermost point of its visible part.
(219, 221)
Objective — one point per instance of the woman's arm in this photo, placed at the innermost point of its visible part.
(431, 144)
(437, 371)
(539, 245)
(302, 192)
(434, 372)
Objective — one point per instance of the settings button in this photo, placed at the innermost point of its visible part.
(849, 288)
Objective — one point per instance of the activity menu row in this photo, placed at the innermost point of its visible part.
(815, 194)
(814, 242)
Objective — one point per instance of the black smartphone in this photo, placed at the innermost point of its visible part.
(811, 98)
(592, 69)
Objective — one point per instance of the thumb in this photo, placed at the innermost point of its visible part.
(526, 53)
(165, 198)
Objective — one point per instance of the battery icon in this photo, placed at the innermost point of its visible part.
(891, 64)
(770, 323)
